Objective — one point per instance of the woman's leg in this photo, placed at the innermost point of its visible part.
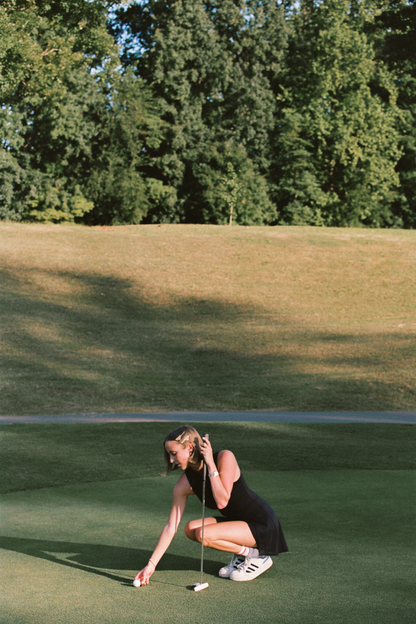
(226, 536)
(194, 525)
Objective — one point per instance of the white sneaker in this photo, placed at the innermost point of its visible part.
(233, 565)
(251, 568)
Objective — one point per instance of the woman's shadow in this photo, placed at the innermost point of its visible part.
(99, 558)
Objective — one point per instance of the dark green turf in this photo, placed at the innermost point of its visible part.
(70, 554)
(85, 506)
(34, 456)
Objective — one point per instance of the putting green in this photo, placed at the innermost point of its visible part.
(70, 554)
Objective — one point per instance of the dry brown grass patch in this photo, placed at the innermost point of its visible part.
(143, 318)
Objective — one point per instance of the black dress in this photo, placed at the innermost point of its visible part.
(244, 505)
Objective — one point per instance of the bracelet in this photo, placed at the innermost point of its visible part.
(150, 561)
(214, 474)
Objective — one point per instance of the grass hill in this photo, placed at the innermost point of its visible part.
(193, 317)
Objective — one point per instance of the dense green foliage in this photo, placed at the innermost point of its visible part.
(288, 112)
(338, 140)
(397, 26)
(74, 129)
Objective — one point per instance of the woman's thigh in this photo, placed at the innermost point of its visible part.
(235, 532)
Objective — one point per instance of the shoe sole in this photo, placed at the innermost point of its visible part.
(250, 577)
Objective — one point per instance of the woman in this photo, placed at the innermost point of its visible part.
(248, 527)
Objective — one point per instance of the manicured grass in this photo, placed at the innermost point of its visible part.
(148, 318)
(37, 456)
(345, 495)
(70, 554)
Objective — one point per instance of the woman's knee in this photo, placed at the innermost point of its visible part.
(193, 530)
(190, 531)
(198, 536)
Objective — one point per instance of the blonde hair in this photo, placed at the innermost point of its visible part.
(184, 436)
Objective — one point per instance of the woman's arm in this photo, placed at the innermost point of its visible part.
(181, 492)
(228, 470)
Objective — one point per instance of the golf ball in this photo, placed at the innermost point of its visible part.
(136, 583)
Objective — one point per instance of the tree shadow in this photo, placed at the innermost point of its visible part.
(99, 559)
(112, 346)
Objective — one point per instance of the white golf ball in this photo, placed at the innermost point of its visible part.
(136, 583)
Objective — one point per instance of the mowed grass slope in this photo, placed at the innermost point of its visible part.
(150, 318)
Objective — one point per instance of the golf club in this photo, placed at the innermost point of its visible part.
(200, 586)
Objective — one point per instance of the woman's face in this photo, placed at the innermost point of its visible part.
(178, 454)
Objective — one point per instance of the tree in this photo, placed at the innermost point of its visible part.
(396, 28)
(225, 176)
(252, 36)
(74, 129)
(119, 183)
(41, 111)
(230, 189)
(289, 111)
(205, 62)
(337, 136)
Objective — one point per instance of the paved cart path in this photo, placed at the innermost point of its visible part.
(403, 418)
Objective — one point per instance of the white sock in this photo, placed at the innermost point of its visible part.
(246, 551)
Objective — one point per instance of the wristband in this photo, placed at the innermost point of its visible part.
(214, 474)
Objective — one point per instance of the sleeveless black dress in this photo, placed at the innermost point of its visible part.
(244, 505)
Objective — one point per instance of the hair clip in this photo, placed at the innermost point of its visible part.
(179, 438)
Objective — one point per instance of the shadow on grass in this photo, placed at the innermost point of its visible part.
(109, 349)
(99, 559)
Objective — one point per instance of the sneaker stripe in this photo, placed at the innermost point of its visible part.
(251, 568)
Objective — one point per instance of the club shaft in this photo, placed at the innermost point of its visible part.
(204, 480)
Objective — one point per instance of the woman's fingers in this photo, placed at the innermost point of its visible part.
(143, 576)
(206, 449)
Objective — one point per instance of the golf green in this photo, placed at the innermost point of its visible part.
(70, 553)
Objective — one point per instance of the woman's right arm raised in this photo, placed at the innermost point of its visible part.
(181, 492)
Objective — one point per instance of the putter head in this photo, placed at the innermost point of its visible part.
(200, 586)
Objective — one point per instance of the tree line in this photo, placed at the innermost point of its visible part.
(217, 111)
